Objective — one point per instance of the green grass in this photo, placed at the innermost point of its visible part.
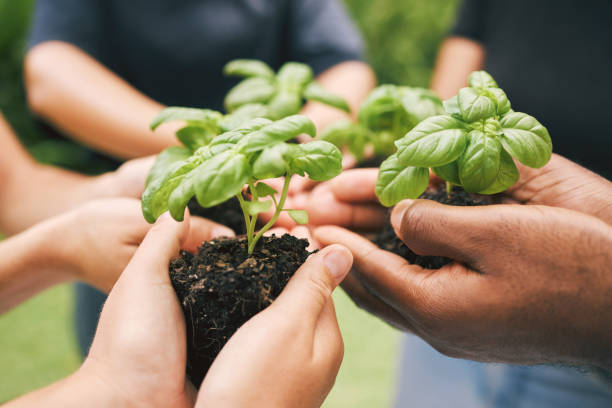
(38, 347)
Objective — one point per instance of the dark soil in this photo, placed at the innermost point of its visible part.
(387, 240)
(221, 287)
(374, 161)
(227, 213)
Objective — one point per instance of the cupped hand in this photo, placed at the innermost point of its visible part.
(563, 183)
(96, 241)
(138, 355)
(289, 354)
(530, 284)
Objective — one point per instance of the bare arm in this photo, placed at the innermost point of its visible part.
(353, 80)
(457, 58)
(31, 192)
(92, 104)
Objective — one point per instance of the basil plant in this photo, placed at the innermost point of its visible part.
(263, 93)
(472, 145)
(215, 169)
(385, 116)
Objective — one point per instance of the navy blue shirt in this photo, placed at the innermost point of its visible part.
(554, 59)
(174, 50)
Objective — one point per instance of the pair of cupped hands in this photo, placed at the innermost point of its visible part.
(530, 284)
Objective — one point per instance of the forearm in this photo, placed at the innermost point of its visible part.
(457, 58)
(77, 390)
(92, 104)
(30, 264)
(353, 80)
(36, 192)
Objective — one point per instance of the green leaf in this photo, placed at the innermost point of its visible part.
(248, 68)
(202, 117)
(284, 103)
(321, 160)
(506, 177)
(339, 133)
(166, 159)
(221, 178)
(234, 136)
(242, 115)
(502, 104)
(264, 190)
(449, 172)
(295, 75)
(383, 110)
(314, 92)
(481, 80)
(279, 131)
(155, 197)
(526, 139)
(420, 103)
(257, 207)
(434, 142)
(451, 106)
(474, 105)
(479, 164)
(299, 216)
(272, 162)
(397, 182)
(249, 91)
(194, 137)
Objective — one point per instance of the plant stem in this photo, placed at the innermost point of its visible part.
(449, 188)
(248, 220)
(277, 212)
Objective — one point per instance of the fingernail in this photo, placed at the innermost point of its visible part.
(218, 232)
(338, 260)
(398, 213)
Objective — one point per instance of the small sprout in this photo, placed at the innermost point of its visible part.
(221, 168)
(472, 145)
(386, 115)
(276, 96)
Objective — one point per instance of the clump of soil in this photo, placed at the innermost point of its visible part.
(374, 161)
(388, 240)
(227, 213)
(221, 287)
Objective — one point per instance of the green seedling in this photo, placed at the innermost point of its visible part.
(274, 96)
(220, 167)
(472, 145)
(385, 116)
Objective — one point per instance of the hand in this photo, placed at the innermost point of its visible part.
(96, 241)
(139, 352)
(138, 355)
(531, 284)
(127, 181)
(289, 354)
(562, 183)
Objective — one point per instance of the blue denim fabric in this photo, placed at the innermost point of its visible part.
(88, 305)
(428, 379)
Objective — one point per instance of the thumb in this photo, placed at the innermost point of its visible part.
(161, 243)
(310, 288)
(460, 233)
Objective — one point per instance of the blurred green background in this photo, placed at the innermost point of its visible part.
(36, 341)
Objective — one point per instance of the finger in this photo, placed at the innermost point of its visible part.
(201, 230)
(461, 233)
(328, 347)
(367, 301)
(324, 208)
(301, 184)
(355, 185)
(387, 275)
(161, 243)
(310, 288)
(302, 232)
